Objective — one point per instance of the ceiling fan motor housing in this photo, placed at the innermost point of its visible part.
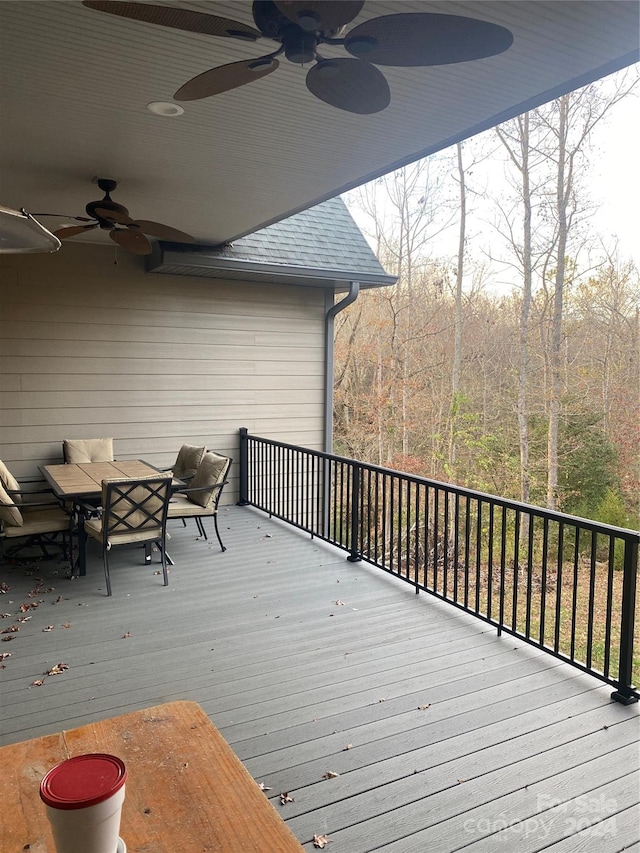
(107, 186)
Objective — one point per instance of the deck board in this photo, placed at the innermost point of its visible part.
(297, 654)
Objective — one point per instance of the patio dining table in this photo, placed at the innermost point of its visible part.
(82, 482)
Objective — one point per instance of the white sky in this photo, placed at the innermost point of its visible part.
(613, 183)
(616, 177)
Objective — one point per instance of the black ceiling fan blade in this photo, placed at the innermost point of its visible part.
(164, 232)
(349, 84)
(226, 77)
(179, 19)
(131, 239)
(424, 38)
(72, 230)
(113, 216)
(313, 15)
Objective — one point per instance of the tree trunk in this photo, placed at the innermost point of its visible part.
(457, 349)
(563, 186)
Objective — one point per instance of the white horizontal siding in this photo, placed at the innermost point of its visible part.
(90, 349)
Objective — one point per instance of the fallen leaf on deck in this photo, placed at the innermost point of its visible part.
(23, 618)
(11, 629)
(285, 798)
(6, 639)
(66, 625)
(263, 787)
(58, 668)
(330, 775)
(5, 616)
(340, 603)
(4, 588)
(382, 700)
(321, 841)
(37, 683)
(30, 605)
(58, 600)
(48, 628)
(5, 655)
(424, 707)
(348, 746)
(126, 635)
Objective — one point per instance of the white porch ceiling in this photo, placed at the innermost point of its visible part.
(76, 82)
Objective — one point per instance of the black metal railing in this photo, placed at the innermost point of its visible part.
(564, 584)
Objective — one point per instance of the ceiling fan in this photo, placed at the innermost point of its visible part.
(302, 27)
(114, 218)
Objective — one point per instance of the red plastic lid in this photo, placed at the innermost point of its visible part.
(83, 781)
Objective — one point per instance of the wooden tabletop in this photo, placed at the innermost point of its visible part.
(186, 790)
(84, 480)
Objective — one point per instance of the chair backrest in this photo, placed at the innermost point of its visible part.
(135, 505)
(9, 515)
(78, 450)
(211, 474)
(189, 458)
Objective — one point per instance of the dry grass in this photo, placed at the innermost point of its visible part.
(565, 609)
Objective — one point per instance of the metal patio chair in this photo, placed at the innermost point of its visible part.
(31, 516)
(134, 510)
(200, 500)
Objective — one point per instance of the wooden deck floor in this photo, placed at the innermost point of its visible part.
(443, 736)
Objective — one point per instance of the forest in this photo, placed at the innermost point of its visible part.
(530, 391)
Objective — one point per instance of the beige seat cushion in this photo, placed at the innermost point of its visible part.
(79, 450)
(181, 507)
(40, 520)
(10, 515)
(211, 471)
(94, 528)
(189, 458)
(9, 482)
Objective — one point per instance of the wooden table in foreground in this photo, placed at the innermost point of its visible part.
(186, 790)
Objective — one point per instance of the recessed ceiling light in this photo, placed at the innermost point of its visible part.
(165, 108)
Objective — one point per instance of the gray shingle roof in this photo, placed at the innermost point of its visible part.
(321, 246)
(322, 237)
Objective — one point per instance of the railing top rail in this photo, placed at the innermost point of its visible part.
(530, 509)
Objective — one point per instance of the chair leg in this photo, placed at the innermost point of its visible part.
(163, 557)
(215, 522)
(105, 560)
(200, 525)
(165, 552)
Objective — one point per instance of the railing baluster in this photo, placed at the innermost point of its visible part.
(574, 608)
(516, 573)
(624, 692)
(608, 609)
(478, 553)
(592, 597)
(543, 588)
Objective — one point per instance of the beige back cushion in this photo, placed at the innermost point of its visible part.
(123, 506)
(10, 515)
(212, 471)
(188, 460)
(78, 450)
(9, 482)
